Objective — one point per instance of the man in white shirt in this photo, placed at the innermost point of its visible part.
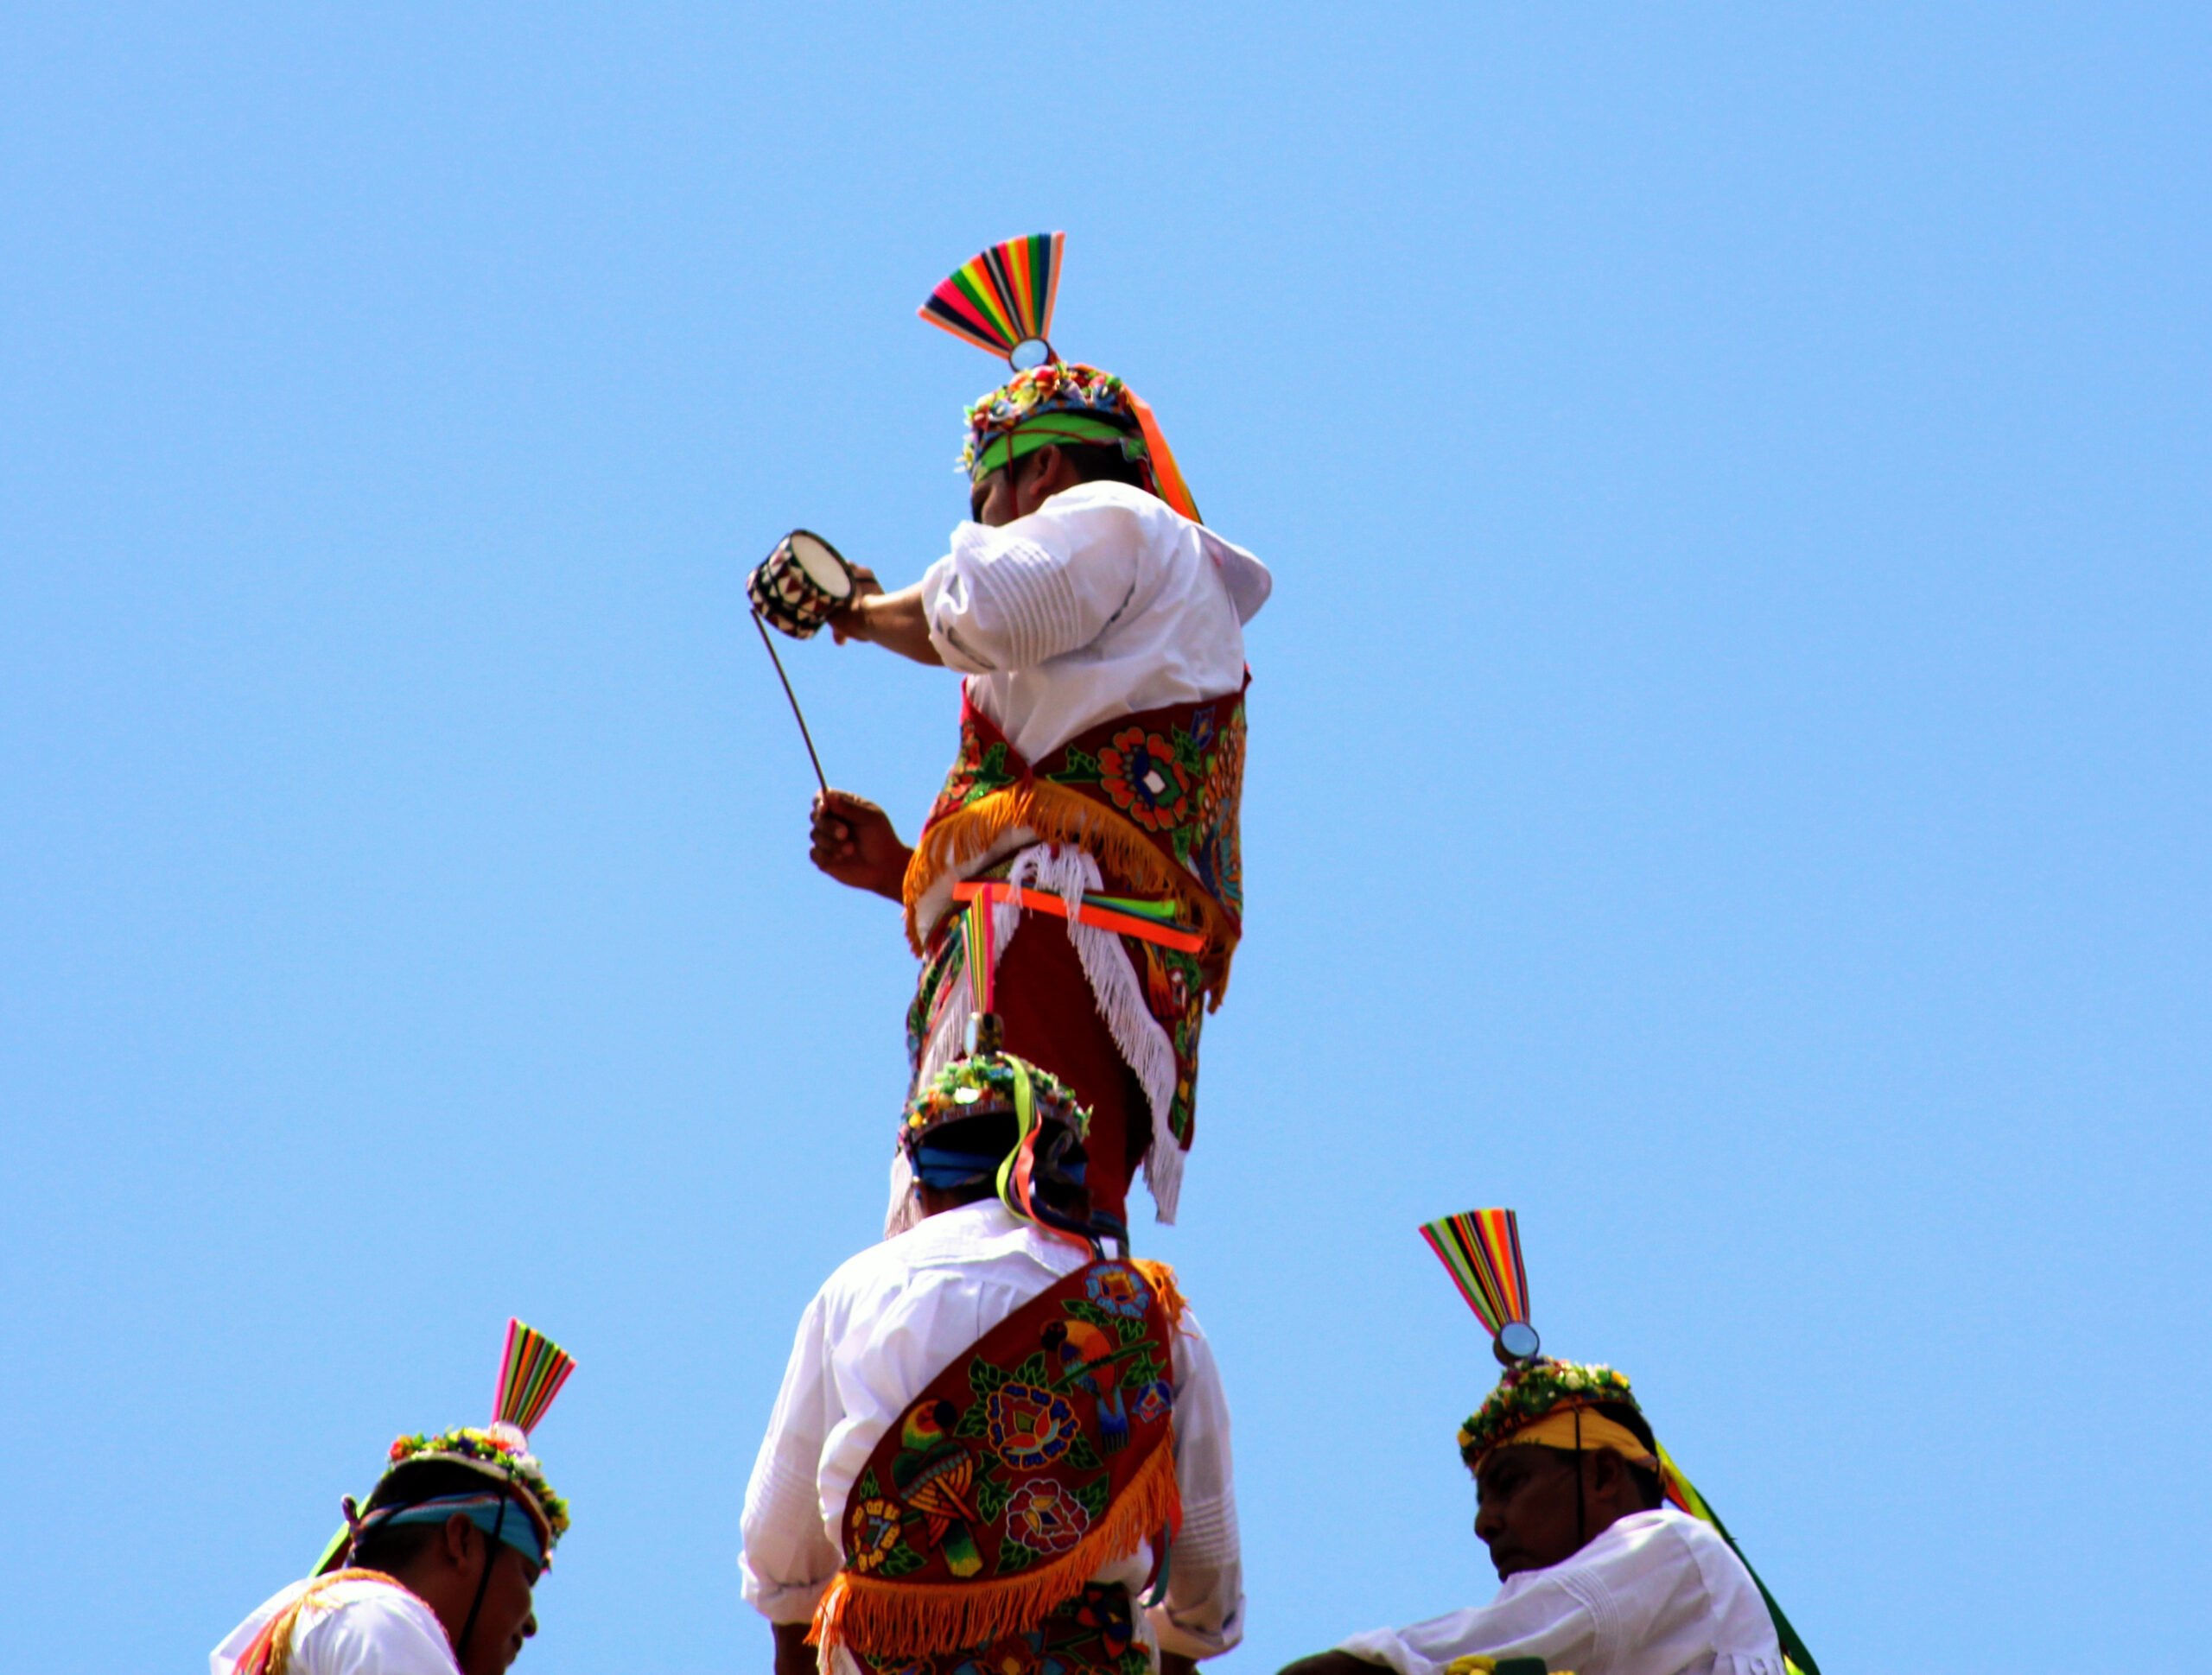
(970, 1459)
(434, 1575)
(1600, 1576)
(1100, 628)
(425, 1576)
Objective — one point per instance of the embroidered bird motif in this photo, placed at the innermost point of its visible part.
(933, 1475)
(1089, 1362)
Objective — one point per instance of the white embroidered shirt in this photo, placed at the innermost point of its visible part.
(349, 1629)
(1104, 601)
(1657, 1594)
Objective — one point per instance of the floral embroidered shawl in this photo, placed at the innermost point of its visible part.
(1040, 1455)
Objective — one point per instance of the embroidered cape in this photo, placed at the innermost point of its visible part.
(1038, 1457)
(1154, 798)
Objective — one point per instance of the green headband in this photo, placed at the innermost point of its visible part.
(1047, 428)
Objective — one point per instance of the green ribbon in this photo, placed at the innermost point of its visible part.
(1044, 430)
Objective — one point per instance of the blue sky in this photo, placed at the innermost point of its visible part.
(1728, 778)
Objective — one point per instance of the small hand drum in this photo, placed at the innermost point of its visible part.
(801, 584)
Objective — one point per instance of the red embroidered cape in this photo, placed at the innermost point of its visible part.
(1041, 1454)
(1154, 798)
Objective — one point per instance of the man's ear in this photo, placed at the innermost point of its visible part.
(458, 1540)
(1609, 1476)
(1044, 465)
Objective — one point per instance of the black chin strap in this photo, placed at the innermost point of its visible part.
(483, 1584)
(1580, 1538)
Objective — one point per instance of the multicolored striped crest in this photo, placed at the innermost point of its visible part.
(1481, 1249)
(1001, 299)
(531, 1373)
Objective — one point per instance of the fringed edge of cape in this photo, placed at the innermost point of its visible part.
(1056, 814)
(1161, 1278)
(892, 1619)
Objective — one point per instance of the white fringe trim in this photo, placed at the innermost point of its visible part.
(1069, 872)
(937, 900)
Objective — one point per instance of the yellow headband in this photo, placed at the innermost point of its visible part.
(1558, 1429)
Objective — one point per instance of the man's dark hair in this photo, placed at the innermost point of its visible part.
(994, 1137)
(1104, 462)
(1647, 1480)
(391, 1548)
(1649, 1488)
(991, 1137)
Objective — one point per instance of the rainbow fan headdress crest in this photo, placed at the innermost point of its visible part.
(1001, 300)
(1481, 1250)
(531, 1372)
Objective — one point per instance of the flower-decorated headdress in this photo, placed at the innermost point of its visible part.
(1557, 1403)
(1548, 1402)
(1041, 1178)
(1002, 300)
(516, 1506)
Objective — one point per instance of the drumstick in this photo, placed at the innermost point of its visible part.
(796, 713)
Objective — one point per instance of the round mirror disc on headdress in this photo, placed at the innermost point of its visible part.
(1030, 352)
(1516, 1342)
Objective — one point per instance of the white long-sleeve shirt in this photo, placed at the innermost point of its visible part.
(888, 1322)
(1657, 1594)
(1104, 601)
(349, 1629)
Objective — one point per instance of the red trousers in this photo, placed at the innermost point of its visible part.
(1051, 1019)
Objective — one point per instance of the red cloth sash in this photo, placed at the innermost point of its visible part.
(1156, 798)
(1040, 1455)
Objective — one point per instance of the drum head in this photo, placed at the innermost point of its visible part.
(819, 560)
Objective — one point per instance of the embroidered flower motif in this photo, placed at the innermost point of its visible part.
(1017, 1654)
(1155, 1404)
(1030, 1428)
(873, 1532)
(1139, 772)
(1045, 1516)
(1119, 1291)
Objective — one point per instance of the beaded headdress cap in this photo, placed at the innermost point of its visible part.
(1002, 300)
(1533, 1389)
(984, 1084)
(533, 1369)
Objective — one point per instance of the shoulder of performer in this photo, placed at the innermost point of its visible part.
(363, 1627)
(938, 1248)
(360, 1626)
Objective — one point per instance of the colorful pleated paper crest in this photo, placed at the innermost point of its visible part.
(1481, 1249)
(531, 1373)
(1002, 299)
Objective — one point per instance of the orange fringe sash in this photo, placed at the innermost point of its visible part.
(1156, 797)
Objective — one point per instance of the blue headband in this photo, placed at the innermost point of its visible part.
(943, 1168)
(518, 1529)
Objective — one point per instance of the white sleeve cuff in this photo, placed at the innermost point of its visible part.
(781, 1602)
(1387, 1645)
